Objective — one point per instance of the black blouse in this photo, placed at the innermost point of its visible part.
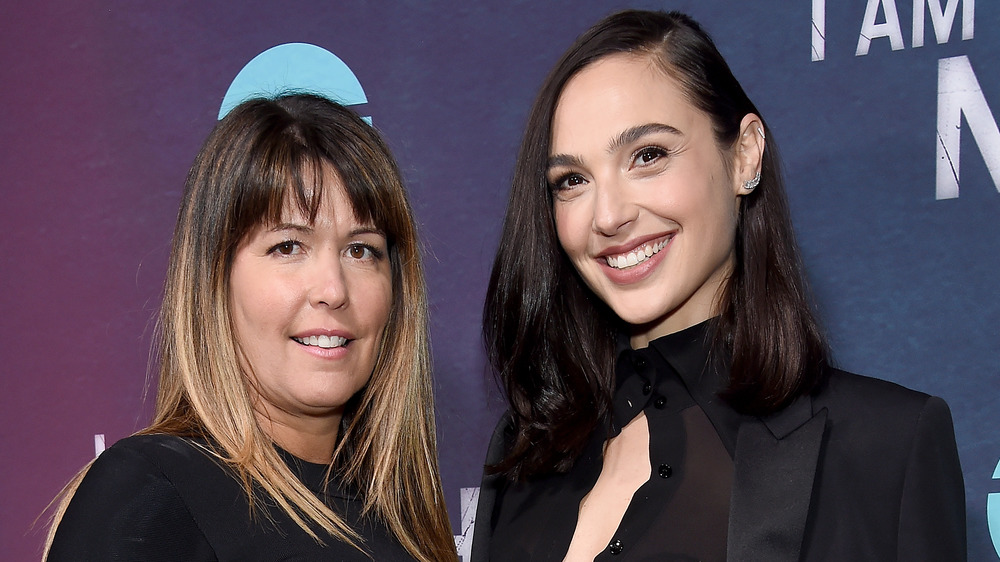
(161, 497)
(682, 512)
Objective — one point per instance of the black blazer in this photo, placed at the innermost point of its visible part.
(863, 469)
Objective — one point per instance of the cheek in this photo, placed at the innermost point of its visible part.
(259, 303)
(385, 307)
(375, 300)
(570, 231)
(241, 300)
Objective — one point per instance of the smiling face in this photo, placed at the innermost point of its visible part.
(309, 302)
(645, 200)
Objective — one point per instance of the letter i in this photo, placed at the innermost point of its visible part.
(818, 30)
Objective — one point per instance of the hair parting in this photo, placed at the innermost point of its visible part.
(551, 341)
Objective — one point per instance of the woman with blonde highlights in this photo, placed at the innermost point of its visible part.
(294, 414)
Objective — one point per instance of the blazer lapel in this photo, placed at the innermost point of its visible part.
(774, 468)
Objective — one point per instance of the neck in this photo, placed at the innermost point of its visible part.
(309, 439)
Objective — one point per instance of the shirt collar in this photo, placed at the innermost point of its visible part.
(688, 353)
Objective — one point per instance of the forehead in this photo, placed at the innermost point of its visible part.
(317, 195)
(618, 92)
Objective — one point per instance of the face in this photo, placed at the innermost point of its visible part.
(645, 200)
(309, 303)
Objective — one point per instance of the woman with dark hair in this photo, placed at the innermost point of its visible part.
(294, 414)
(670, 392)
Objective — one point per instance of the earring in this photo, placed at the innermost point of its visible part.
(761, 131)
(752, 184)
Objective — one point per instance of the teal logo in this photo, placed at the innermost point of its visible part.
(295, 68)
(993, 512)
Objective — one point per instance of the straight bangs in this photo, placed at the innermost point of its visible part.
(284, 160)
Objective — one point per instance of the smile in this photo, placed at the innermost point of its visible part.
(638, 255)
(326, 342)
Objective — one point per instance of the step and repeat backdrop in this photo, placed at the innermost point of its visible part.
(885, 112)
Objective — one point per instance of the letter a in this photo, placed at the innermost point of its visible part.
(871, 30)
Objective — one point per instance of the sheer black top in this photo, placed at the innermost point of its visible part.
(161, 497)
(681, 513)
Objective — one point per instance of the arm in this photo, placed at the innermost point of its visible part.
(126, 509)
(932, 508)
(489, 490)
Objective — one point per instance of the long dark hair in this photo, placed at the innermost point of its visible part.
(551, 340)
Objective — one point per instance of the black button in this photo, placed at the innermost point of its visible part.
(616, 547)
(639, 362)
(665, 471)
(647, 388)
(660, 402)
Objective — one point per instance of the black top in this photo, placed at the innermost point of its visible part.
(861, 469)
(681, 513)
(161, 497)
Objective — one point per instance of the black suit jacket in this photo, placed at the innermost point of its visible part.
(863, 469)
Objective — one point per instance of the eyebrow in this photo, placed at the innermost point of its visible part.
(307, 229)
(367, 230)
(568, 160)
(625, 138)
(290, 226)
(632, 134)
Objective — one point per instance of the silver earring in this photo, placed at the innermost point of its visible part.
(751, 184)
(761, 131)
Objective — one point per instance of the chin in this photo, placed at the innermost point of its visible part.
(637, 315)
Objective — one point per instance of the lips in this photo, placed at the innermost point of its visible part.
(638, 254)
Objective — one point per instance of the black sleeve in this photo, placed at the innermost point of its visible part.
(490, 489)
(932, 508)
(126, 509)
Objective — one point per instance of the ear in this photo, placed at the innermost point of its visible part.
(748, 154)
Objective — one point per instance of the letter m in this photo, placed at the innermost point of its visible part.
(943, 19)
(959, 94)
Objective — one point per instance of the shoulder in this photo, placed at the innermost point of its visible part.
(875, 411)
(503, 433)
(165, 452)
(127, 501)
(490, 489)
(135, 460)
(891, 450)
(158, 456)
(843, 391)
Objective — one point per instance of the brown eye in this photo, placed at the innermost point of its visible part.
(648, 155)
(567, 182)
(357, 252)
(364, 252)
(286, 248)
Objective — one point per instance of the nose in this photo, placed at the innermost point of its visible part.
(612, 209)
(327, 283)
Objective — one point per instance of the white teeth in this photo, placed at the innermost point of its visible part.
(326, 342)
(636, 256)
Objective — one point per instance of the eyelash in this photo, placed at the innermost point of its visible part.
(373, 253)
(656, 152)
(560, 183)
(290, 244)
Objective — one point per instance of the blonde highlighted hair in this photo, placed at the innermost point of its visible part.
(262, 155)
